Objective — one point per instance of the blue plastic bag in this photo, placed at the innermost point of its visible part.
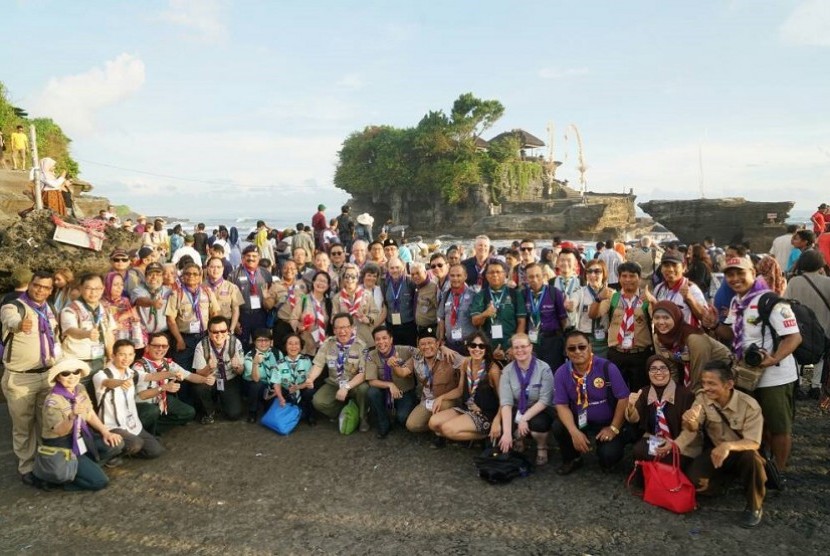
(281, 419)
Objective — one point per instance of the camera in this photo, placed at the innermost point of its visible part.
(753, 355)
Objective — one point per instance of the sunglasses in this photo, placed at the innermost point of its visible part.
(225, 331)
(70, 373)
(162, 346)
(594, 271)
(350, 277)
(528, 248)
(437, 265)
(121, 260)
(335, 253)
(580, 347)
(476, 345)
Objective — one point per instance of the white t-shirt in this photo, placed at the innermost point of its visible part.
(783, 321)
(664, 293)
(200, 361)
(143, 368)
(781, 249)
(117, 406)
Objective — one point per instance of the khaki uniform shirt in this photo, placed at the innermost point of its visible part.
(367, 309)
(228, 296)
(374, 366)
(180, 308)
(426, 311)
(280, 291)
(744, 416)
(25, 348)
(327, 357)
(56, 409)
(642, 335)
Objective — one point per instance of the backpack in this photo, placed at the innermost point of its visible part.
(497, 468)
(99, 404)
(615, 300)
(6, 354)
(814, 344)
(232, 340)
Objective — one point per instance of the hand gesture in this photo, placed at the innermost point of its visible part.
(93, 334)
(691, 417)
(393, 362)
(491, 310)
(210, 380)
(498, 353)
(649, 296)
(213, 363)
(172, 387)
(258, 358)
(633, 397)
(158, 304)
(26, 324)
(606, 294)
(125, 384)
(684, 290)
(569, 305)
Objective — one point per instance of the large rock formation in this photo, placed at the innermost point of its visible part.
(727, 220)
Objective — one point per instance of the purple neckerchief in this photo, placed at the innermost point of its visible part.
(524, 383)
(387, 374)
(758, 288)
(343, 354)
(220, 358)
(194, 302)
(79, 425)
(43, 326)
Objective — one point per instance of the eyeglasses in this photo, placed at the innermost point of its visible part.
(437, 265)
(346, 327)
(191, 273)
(522, 346)
(225, 331)
(71, 373)
(476, 345)
(527, 248)
(40, 287)
(661, 369)
(262, 340)
(120, 260)
(594, 271)
(336, 253)
(350, 276)
(160, 346)
(579, 347)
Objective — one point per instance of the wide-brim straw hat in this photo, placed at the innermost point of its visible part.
(365, 219)
(69, 364)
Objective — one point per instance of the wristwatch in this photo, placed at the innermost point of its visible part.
(615, 429)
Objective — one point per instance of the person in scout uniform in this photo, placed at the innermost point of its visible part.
(285, 293)
(388, 390)
(219, 354)
(287, 381)
(354, 299)
(399, 294)
(454, 321)
(188, 312)
(567, 281)
(67, 417)
(436, 372)
(630, 343)
(151, 301)
(87, 327)
(115, 392)
(159, 381)
(583, 298)
(499, 309)
(253, 281)
(342, 354)
(227, 293)
(31, 346)
(590, 397)
(426, 297)
(260, 363)
(547, 317)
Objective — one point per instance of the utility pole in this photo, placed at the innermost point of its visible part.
(35, 167)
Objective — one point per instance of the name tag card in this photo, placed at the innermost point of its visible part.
(396, 319)
(496, 332)
(255, 302)
(194, 327)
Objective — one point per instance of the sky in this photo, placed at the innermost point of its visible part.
(227, 109)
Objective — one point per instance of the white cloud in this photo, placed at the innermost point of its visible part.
(352, 82)
(203, 18)
(73, 100)
(809, 24)
(556, 73)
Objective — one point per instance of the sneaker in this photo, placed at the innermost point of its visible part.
(364, 425)
(114, 462)
(751, 518)
(208, 419)
(29, 479)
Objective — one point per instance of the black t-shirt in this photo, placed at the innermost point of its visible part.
(200, 240)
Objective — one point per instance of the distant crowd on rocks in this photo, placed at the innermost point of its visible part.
(597, 346)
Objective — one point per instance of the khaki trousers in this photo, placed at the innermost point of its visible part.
(25, 394)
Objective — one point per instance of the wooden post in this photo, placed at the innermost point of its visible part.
(35, 167)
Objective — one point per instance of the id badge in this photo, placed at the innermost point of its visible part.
(533, 334)
(496, 332)
(583, 419)
(429, 404)
(220, 385)
(599, 334)
(195, 327)
(343, 383)
(396, 319)
(628, 342)
(130, 421)
(255, 302)
(518, 417)
(96, 351)
(455, 334)
(654, 442)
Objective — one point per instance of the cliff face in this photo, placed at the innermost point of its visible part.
(728, 220)
(602, 217)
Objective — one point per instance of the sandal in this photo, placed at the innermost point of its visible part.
(541, 456)
(519, 444)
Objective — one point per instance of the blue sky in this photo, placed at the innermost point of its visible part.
(250, 101)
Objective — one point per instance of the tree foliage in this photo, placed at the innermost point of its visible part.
(437, 156)
(51, 140)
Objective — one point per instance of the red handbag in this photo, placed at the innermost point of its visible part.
(666, 486)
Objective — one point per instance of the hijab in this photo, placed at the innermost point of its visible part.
(770, 271)
(680, 332)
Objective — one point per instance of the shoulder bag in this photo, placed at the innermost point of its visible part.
(666, 486)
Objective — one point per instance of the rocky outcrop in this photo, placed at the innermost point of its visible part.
(602, 216)
(727, 220)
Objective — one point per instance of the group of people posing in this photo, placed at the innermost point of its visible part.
(589, 351)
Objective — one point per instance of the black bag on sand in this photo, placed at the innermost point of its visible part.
(774, 479)
(498, 468)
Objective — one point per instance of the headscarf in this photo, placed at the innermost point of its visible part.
(680, 332)
(47, 166)
(770, 270)
(233, 236)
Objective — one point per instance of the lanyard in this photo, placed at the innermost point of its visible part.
(396, 295)
(536, 305)
(456, 303)
(252, 281)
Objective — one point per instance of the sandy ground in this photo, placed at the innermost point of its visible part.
(235, 488)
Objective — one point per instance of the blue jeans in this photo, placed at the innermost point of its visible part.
(403, 407)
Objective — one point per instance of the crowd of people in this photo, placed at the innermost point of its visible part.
(597, 346)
